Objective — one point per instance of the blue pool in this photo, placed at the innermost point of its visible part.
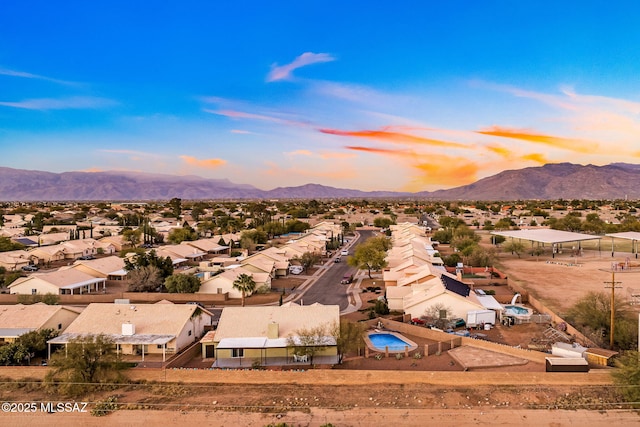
(380, 341)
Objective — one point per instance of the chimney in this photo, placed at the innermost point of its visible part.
(273, 330)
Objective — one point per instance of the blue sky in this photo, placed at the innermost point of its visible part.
(407, 96)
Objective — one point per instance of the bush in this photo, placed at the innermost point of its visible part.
(105, 407)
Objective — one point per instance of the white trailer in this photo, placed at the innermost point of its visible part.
(480, 317)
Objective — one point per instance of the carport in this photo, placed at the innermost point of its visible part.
(634, 236)
(548, 236)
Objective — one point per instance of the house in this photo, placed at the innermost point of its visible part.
(15, 260)
(161, 329)
(16, 320)
(264, 335)
(210, 246)
(180, 253)
(110, 268)
(445, 292)
(64, 281)
(223, 282)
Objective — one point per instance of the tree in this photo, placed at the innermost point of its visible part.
(383, 222)
(145, 279)
(176, 206)
(592, 316)
(245, 284)
(132, 236)
(179, 235)
(349, 337)
(307, 260)
(368, 256)
(83, 363)
(143, 259)
(311, 341)
(514, 247)
(182, 283)
(627, 376)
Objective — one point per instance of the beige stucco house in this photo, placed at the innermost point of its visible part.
(16, 320)
(161, 329)
(264, 335)
(223, 282)
(64, 281)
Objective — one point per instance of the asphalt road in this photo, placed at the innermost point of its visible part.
(327, 289)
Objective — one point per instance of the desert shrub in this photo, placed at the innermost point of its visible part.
(105, 407)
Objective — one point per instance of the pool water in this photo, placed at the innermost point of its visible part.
(516, 310)
(380, 341)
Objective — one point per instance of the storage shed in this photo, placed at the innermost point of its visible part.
(600, 356)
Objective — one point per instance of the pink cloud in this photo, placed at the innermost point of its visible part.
(284, 72)
(203, 163)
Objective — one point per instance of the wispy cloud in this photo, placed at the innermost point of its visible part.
(25, 75)
(240, 131)
(576, 145)
(203, 163)
(285, 72)
(235, 114)
(393, 137)
(72, 103)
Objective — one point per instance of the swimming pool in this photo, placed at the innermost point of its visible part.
(394, 342)
(517, 311)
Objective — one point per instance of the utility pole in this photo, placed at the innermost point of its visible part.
(613, 286)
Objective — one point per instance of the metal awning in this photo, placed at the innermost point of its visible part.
(136, 339)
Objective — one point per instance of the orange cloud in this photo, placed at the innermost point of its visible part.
(447, 171)
(203, 163)
(536, 157)
(576, 145)
(501, 151)
(393, 137)
(380, 150)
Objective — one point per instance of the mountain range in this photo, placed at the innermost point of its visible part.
(551, 181)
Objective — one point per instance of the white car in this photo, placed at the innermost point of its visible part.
(344, 252)
(295, 269)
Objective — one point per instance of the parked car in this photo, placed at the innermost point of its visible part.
(457, 323)
(344, 252)
(87, 257)
(296, 269)
(348, 278)
(29, 268)
(337, 259)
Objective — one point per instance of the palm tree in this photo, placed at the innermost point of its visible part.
(245, 284)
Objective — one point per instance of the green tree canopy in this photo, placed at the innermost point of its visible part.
(82, 364)
(182, 283)
(369, 256)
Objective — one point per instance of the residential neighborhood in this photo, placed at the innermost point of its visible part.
(254, 288)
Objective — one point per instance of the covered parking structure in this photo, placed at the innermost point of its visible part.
(555, 238)
(633, 236)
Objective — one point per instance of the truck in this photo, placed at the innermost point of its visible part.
(480, 317)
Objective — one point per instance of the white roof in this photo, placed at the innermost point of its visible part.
(628, 235)
(546, 235)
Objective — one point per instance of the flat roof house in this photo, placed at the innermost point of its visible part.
(263, 335)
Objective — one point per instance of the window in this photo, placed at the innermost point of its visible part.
(237, 352)
(34, 291)
(189, 332)
(59, 325)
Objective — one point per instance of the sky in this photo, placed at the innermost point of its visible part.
(401, 96)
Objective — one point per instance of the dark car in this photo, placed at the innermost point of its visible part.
(457, 323)
(348, 278)
(87, 257)
(338, 259)
(29, 268)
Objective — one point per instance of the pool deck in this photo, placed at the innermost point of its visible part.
(475, 358)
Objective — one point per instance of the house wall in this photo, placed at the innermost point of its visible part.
(196, 326)
(62, 318)
(39, 285)
(457, 307)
